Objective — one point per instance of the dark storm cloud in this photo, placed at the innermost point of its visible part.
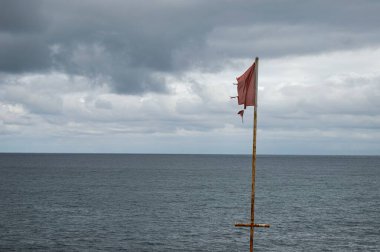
(22, 37)
(21, 16)
(23, 52)
(127, 43)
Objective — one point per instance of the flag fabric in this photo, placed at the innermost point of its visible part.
(241, 113)
(246, 87)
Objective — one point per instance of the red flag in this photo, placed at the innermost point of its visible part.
(246, 87)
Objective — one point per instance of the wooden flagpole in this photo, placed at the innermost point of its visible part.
(252, 225)
(251, 231)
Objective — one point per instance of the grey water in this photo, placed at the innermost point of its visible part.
(117, 202)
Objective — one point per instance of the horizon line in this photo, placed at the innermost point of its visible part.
(152, 153)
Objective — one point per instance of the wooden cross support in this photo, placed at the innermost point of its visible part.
(252, 225)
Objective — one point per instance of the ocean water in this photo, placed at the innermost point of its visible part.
(92, 202)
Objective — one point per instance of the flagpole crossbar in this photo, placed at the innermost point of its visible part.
(252, 225)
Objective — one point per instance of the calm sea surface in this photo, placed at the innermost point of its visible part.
(91, 202)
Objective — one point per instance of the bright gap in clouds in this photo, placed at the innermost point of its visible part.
(314, 104)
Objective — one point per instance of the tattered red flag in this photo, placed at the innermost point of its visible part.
(246, 87)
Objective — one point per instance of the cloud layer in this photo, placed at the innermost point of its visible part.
(127, 76)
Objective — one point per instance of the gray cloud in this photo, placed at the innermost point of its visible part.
(127, 43)
(21, 16)
(23, 52)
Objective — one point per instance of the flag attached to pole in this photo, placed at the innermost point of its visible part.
(246, 88)
(247, 96)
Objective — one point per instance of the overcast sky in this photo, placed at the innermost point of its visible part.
(155, 77)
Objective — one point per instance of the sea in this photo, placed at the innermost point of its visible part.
(141, 202)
